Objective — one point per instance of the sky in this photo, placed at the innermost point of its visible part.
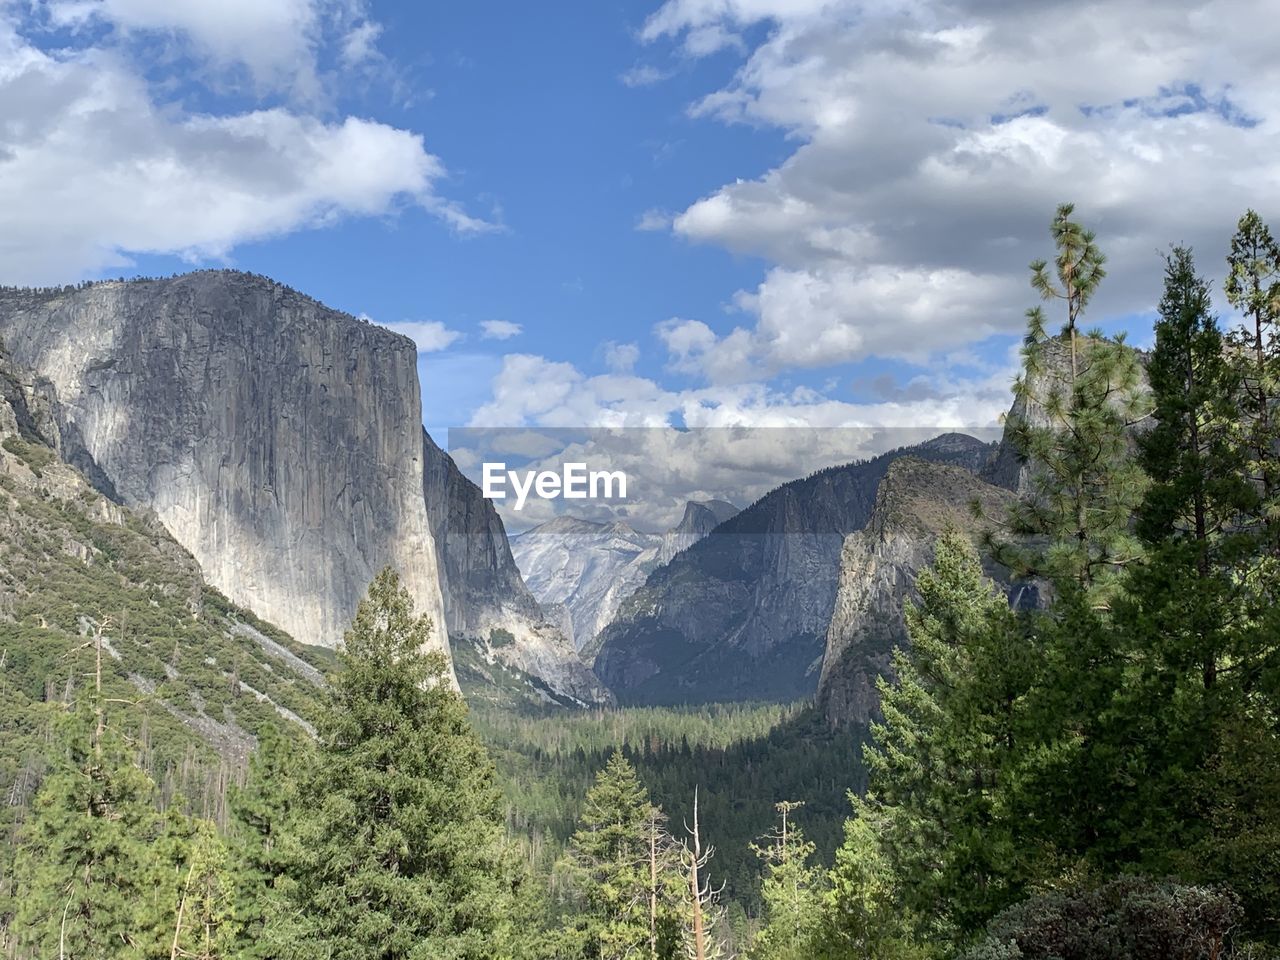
(630, 213)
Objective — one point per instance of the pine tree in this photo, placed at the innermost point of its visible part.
(1253, 287)
(621, 861)
(82, 866)
(400, 838)
(262, 822)
(1198, 498)
(205, 925)
(791, 891)
(1078, 396)
(1123, 713)
(936, 761)
(862, 914)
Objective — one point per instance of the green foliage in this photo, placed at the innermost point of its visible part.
(623, 872)
(206, 925)
(739, 756)
(931, 835)
(792, 893)
(83, 857)
(36, 456)
(1253, 288)
(262, 812)
(400, 851)
(1126, 919)
(1078, 395)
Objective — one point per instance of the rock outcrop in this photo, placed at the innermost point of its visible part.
(278, 440)
(744, 613)
(486, 602)
(587, 568)
(700, 518)
(72, 560)
(916, 501)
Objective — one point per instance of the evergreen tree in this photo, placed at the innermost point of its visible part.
(792, 892)
(400, 842)
(1253, 287)
(1198, 498)
(621, 860)
(205, 925)
(1078, 395)
(82, 866)
(863, 914)
(936, 762)
(262, 813)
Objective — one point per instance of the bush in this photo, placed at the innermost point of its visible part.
(1127, 919)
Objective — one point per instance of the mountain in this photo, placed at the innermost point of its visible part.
(277, 440)
(916, 501)
(491, 615)
(191, 677)
(744, 613)
(587, 568)
(700, 518)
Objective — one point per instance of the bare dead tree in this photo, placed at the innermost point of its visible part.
(703, 896)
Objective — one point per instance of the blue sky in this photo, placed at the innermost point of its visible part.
(699, 211)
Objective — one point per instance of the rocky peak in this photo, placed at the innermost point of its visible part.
(916, 501)
(743, 614)
(278, 440)
(486, 601)
(700, 518)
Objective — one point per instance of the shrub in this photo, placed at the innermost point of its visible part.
(1131, 918)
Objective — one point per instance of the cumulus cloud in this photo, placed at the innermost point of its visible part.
(500, 329)
(95, 167)
(532, 391)
(428, 335)
(277, 42)
(934, 141)
(620, 357)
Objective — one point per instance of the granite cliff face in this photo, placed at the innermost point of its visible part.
(700, 518)
(744, 613)
(586, 568)
(72, 559)
(486, 602)
(277, 440)
(916, 501)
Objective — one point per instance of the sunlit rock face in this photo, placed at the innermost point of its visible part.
(485, 597)
(916, 502)
(278, 440)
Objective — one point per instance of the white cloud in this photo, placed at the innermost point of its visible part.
(428, 335)
(620, 357)
(360, 45)
(653, 220)
(95, 168)
(500, 329)
(532, 391)
(741, 440)
(934, 141)
(644, 75)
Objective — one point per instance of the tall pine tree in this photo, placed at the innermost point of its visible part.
(950, 727)
(623, 867)
(792, 892)
(263, 839)
(1077, 398)
(1253, 287)
(83, 871)
(400, 836)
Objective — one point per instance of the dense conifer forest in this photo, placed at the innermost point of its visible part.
(1098, 777)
